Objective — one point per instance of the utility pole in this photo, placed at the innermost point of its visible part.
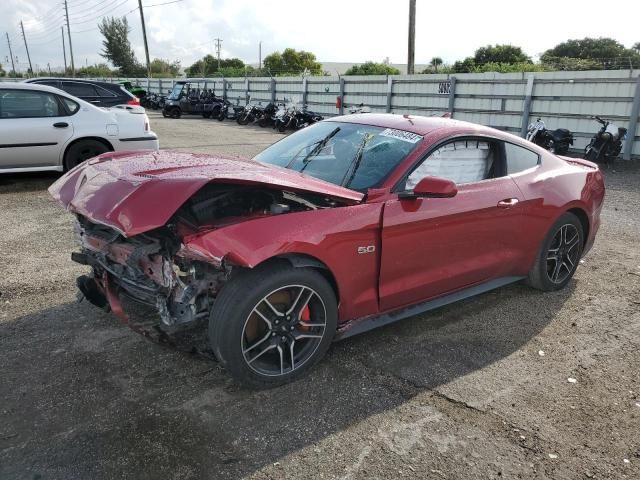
(260, 55)
(26, 47)
(13, 67)
(73, 67)
(144, 35)
(64, 52)
(412, 37)
(218, 46)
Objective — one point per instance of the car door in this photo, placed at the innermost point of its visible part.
(34, 127)
(434, 246)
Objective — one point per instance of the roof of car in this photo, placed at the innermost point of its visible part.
(30, 86)
(416, 123)
(80, 80)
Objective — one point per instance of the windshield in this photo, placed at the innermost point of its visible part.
(349, 154)
(177, 90)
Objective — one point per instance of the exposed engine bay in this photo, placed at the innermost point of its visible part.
(155, 268)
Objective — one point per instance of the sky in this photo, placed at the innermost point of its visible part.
(335, 30)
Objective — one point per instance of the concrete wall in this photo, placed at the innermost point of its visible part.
(561, 99)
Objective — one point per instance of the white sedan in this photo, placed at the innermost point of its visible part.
(45, 129)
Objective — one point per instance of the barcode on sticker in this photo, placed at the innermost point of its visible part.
(401, 135)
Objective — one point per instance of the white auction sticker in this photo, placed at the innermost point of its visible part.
(401, 135)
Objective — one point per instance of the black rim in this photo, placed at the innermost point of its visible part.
(563, 253)
(283, 330)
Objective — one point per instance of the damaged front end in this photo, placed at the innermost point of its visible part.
(160, 269)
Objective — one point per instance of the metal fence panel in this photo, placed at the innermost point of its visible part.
(561, 99)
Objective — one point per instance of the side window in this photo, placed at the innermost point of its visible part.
(28, 104)
(79, 89)
(519, 158)
(103, 92)
(72, 106)
(462, 161)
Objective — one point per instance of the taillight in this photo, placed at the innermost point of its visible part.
(134, 101)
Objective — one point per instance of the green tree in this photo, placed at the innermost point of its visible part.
(117, 47)
(97, 70)
(591, 53)
(435, 63)
(500, 54)
(207, 66)
(292, 62)
(164, 68)
(372, 68)
(636, 47)
(500, 57)
(2, 72)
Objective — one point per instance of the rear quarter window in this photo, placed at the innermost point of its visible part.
(520, 158)
(79, 89)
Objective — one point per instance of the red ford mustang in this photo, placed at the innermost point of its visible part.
(352, 223)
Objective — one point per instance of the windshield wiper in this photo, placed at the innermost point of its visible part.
(357, 159)
(319, 145)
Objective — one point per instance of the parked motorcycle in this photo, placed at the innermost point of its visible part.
(606, 144)
(250, 113)
(295, 119)
(362, 108)
(268, 116)
(304, 118)
(229, 111)
(556, 141)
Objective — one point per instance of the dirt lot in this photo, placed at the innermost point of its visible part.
(463, 392)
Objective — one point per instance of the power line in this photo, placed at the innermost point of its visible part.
(160, 4)
(103, 13)
(92, 7)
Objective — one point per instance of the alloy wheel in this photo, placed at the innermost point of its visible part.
(283, 330)
(563, 253)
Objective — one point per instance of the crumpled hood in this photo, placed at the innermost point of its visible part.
(134, 192)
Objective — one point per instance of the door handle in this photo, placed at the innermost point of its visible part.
(508, 203)
(61, 125)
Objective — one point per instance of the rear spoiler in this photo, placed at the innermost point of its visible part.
(579, 161)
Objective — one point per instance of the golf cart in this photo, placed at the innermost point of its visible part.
(190, 96)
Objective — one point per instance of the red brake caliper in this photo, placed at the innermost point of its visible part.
(305, 316)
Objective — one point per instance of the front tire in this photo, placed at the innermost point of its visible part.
(270, 325)
(81, 151)
(559, 255)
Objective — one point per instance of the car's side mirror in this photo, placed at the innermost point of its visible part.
(432, 187)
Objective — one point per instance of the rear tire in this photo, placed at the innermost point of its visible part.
(559, 255)
(81, 151)
(261, 316)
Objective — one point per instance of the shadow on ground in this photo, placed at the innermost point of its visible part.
(84, 397)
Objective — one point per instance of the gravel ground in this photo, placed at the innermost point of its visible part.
(462, 392)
